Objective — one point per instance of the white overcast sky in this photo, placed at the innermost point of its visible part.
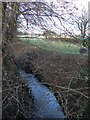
(79, 4)
(82, 3)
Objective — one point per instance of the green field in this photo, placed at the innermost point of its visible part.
(60, 47)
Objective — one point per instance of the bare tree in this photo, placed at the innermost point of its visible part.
(47, 15)
(82, 22)
(11, 100)
(40, 14)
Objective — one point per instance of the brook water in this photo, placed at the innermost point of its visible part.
(45, 103)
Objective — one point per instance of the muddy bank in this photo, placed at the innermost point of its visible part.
(16, 98)
(59, 72)
(58, 69)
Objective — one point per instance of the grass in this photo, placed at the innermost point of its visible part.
(60, 47)
(65, 74)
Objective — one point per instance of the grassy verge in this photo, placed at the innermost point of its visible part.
(60, 47)
(63, 73)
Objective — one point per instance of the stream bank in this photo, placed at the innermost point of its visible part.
(55, 72)
(45, 104)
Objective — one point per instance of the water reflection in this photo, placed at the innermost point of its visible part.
(45, 103)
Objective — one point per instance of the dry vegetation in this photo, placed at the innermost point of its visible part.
(16, 97)
(61, 73)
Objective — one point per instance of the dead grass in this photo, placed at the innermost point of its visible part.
(62, 74)
(16, 99)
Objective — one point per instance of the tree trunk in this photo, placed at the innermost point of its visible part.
(9, 27)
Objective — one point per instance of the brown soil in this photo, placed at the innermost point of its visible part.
(58, 71)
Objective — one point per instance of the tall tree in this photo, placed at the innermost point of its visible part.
(47, 15)
(34, 13)
(9, 25)
(82, 22)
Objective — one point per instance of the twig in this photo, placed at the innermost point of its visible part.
(69, 89)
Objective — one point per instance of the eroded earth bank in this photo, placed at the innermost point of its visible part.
(65, 75)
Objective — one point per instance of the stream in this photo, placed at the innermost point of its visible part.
(45, 103)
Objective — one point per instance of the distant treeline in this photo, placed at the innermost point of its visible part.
(52, 38)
